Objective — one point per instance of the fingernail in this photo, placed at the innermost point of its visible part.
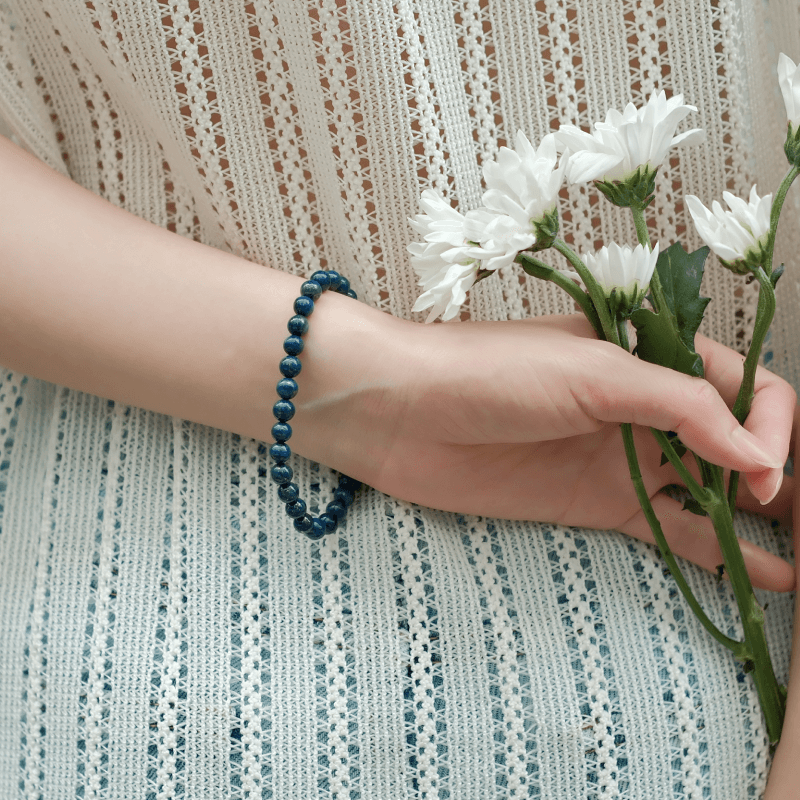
(748, 445)
(776, 480)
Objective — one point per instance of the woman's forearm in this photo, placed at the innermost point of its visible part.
(784, 778)
(94, 298)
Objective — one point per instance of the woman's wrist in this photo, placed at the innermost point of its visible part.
(358, 364)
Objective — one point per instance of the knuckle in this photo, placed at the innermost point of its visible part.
(703, 394)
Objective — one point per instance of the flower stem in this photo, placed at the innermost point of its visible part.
(741, 408)
(595, 290)
(756, 653)
(538, 269)
(655, 525)
(735, 646)
(774, 217)
(697, 491)
(764, 315)
(642, 233)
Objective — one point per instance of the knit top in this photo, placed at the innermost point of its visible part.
(165, 631)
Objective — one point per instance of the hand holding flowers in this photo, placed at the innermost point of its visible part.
(622, 156)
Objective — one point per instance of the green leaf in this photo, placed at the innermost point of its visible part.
(690, 504)
(667, 338)
(677, 445)
(776, 274)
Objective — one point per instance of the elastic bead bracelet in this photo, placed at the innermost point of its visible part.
(290, 366)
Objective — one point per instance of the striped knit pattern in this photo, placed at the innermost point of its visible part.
(165, 634)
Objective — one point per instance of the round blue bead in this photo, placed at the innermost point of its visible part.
(280, 453)
(344, 496)
(321, 277)
(329, 522)
(296, 509)
(311, 289)
(287, 388)
(304, 524)
(293, 345)
(351, 293)
(283, 410)
(334, 277)
(303, 305)
(317, 531)
(344, 285)
(335, 509)
(346, 482)
(291, 366)
(297, 325)
(288, 492)
(281, 473)
(281, 431)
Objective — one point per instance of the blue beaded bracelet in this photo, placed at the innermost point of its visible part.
(290, 366)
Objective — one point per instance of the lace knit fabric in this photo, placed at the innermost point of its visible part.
(165, 634)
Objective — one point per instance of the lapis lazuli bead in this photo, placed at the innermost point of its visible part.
(346, 482)
(311, 289)
(304, 524)
(280, 453)
(287, 388)
(283, 410)
(281, 431)
(335, 509)
(293, 345)
(297, 325)
(321, 277)
(344, 496)
(290, 366)
(296, 509)
(304, 305)
(281, 473)
(288, 492)
(329, 522)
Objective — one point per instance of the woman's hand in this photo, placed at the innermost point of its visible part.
(516, 420)
(520, 420)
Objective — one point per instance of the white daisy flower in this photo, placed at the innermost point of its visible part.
(447, 261)
(624, 271)
(789, 81)
(624, 142)
(524, 183)
(738, 236)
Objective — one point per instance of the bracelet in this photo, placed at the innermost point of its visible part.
(290, 366)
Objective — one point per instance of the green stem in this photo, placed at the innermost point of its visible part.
(764, 315)
(538, 269)
(772, 697)
(697, 491)
(642, 233)
(774, 217)
(658, 534)
(741, 408)
(593, 287)
(652, 519)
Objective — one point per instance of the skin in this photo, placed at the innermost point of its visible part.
(516, 420)
(783, 781)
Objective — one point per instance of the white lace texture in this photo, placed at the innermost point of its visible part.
(165, 634)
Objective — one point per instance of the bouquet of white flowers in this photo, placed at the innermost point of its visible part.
(656, 290)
